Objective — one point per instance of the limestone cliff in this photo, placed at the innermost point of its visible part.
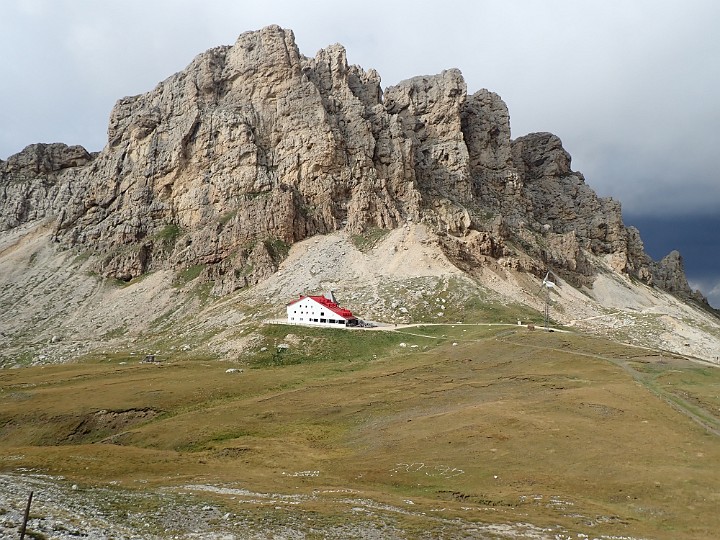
(254, 147)
(30, 181)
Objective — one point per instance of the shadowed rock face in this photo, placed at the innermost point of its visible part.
(253, 147)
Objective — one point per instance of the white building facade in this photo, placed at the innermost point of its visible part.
(319, 311)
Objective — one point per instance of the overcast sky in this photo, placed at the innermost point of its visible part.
(630, 86)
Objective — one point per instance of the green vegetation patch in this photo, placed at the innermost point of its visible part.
(116, 332)
(188, 274)
(168, 235)
(277, 248)
(292, 345)
(369, 238)
(227, 217)
(81, 257)
(451, 300)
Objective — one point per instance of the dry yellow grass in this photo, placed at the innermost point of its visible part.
(505, 426)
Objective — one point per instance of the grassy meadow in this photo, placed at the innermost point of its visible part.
(432, 428)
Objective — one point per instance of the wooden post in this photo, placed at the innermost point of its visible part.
(27, 516)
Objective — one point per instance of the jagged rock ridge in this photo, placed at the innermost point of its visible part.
(254, 147)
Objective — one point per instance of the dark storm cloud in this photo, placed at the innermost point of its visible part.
(696, 237)
(630, 87)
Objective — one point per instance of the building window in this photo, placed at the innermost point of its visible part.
(323, 320)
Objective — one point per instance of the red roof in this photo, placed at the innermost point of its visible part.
(329, 304)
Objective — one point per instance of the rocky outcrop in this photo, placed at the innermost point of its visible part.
(669, 274)
(30, 181)
(429, 112)
(560, 202)
(496, 183)
(250, 142)
(254, 147)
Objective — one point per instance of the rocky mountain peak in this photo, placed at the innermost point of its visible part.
(254, 147)
(44, 160)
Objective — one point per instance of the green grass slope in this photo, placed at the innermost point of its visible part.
(435, 430)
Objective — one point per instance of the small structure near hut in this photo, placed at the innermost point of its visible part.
(320, 311)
